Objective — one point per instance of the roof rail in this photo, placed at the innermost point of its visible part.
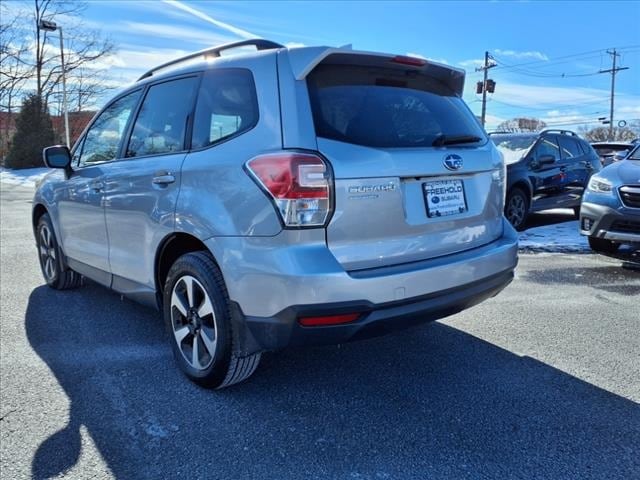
(556, 130)
(259, 43)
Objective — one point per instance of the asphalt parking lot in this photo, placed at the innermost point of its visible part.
(542, 381)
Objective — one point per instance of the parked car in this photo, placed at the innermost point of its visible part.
(610, 212)
(610, 152)
(280, 197)
(545, 170)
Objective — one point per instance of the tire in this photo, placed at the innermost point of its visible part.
(602, 245)
(53, 270)
(197, 315)
(516, 208)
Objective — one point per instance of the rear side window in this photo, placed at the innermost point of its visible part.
(386, 108)
(162, 120)
(227, 106)
(569, 147)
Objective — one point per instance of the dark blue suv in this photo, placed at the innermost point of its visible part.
(545, 170)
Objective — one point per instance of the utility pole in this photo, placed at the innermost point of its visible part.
(613, 70)
(485, 69)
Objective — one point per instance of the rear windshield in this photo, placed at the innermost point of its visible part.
(610, 150)
(387, 108)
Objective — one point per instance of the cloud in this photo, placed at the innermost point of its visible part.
(197, 13)
(521, 55)
(557, 106)
(163, 30)
(537, 96)
(144, 60)
(471, 63)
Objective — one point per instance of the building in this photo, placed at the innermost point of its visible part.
(77, 123)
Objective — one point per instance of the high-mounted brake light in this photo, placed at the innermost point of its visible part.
(299, 185)
(413, 61)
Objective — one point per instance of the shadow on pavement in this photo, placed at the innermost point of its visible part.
(611, 279)
(432, 402)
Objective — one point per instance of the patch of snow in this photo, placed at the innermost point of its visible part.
(26, 177)
(559, 237)
(512, 156)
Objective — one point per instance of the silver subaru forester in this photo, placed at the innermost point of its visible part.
(280, 196)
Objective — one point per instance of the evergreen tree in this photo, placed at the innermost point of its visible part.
(34, 131)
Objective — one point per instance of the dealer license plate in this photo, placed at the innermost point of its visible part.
(444, 198)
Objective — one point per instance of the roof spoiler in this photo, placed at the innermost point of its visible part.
(304, 60)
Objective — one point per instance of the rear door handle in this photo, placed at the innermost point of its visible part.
(163, 178)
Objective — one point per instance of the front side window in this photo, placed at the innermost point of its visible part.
(569, 148)
(379, 107)
(227, 106)
(162, 121)
(103, 138)
(546, 147)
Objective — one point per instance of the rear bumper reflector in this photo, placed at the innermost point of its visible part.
(328, 320)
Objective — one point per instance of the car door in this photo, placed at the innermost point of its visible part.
(546, 178)
(82, 225)
(576, 168)
(141, 190)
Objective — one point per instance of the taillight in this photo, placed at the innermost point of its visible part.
(299, 185)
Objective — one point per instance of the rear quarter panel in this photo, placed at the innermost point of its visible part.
(217, 197)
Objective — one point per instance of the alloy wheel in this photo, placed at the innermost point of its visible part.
(193, 322)
(516, 210)
(48, 256)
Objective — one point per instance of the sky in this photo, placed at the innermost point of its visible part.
(547, 54)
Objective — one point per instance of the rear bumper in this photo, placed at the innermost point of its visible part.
(620, 225)
(271, 284)
(283, 329)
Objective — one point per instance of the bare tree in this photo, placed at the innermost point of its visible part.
(521, 124)
(83, 47)
(13, 73)
(601, 134)
(84, 88)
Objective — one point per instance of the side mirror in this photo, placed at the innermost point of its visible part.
(546, 160)
(57, 156)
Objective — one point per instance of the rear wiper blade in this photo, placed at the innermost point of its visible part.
(442, 140)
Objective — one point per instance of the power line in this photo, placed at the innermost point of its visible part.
(569, 58)
(551, 106)
(531, 73)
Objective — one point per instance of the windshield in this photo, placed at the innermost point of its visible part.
(386, 108)
(635, 155)
(513, 147)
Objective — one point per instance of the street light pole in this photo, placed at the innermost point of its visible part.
(64, 91)
(50, 26)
